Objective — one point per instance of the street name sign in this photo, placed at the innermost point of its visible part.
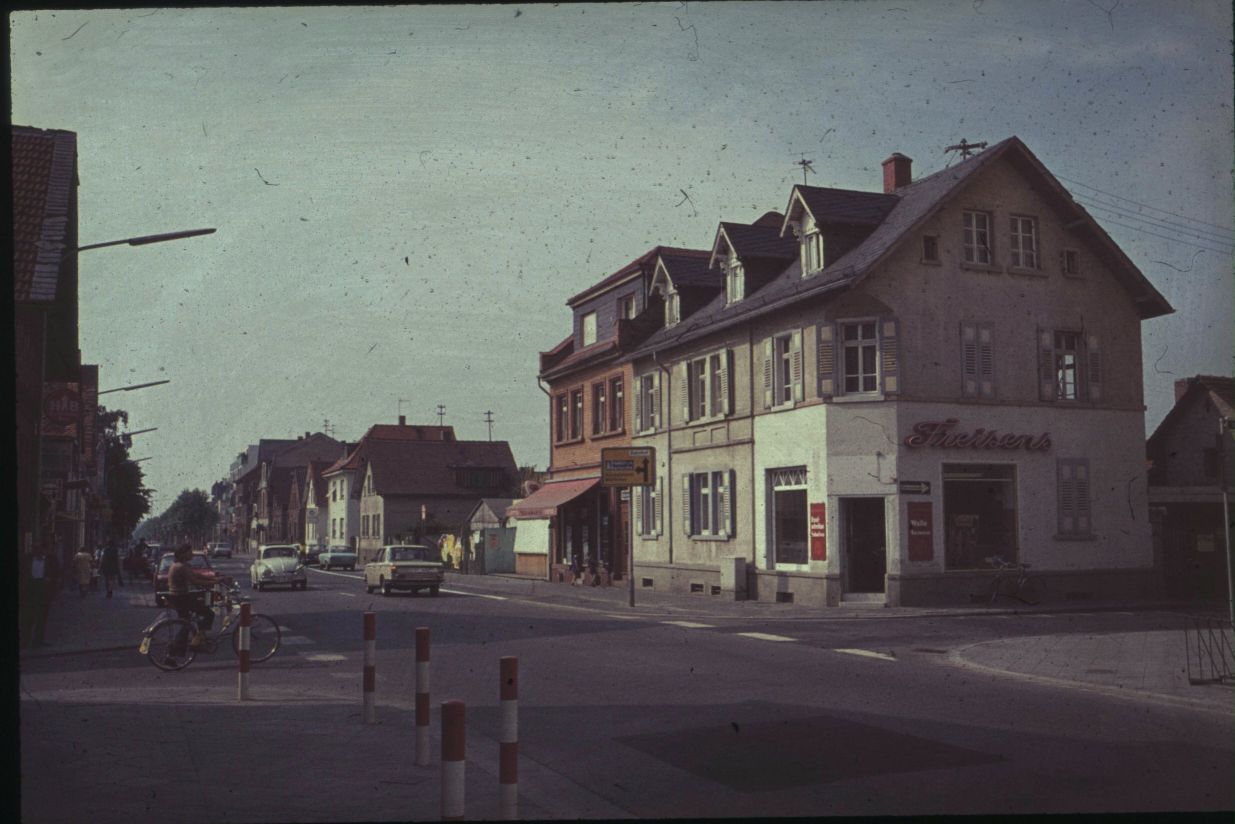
(628, 466)
(915, 487)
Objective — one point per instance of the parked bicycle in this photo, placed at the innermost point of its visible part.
(1012, 580)
(166, 641)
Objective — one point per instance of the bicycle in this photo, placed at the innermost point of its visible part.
(1012, 581)
(166, 641)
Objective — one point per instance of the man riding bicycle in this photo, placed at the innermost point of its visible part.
(180, 597)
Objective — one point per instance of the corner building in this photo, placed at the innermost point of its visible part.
(888, 388)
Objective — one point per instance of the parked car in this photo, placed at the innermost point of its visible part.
(337, 556)
(405, 566)
(199, 562)
(311, 554)
(278, 565)
(221, 549)
(137, 565)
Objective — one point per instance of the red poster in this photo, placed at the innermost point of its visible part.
(921, 531)
(818, 532)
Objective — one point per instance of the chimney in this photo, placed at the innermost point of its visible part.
(307, 434)
(897, 172)
(403, 420)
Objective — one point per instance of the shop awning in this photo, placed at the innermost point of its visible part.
(543, 503)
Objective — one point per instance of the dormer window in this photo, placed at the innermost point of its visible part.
(588, 328)
(626, 307)
(735, 282)
(812, 252)
(673, 309)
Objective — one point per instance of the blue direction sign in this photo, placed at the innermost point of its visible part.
(628, 466)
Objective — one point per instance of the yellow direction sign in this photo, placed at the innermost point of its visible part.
(628, 466)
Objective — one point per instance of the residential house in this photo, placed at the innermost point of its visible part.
(316, 504)
(1192, 464)
(572, 528)
(945, 371)
(492, 535)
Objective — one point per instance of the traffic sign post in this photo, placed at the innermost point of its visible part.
(628, 466)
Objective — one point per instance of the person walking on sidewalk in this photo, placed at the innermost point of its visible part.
(83, 569)
(109, 566)
(40, 580)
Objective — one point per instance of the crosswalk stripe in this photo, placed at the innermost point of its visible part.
(295, 640)
(865, 653)
(763, 636)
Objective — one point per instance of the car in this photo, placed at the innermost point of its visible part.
(311, 553)
(405, 566)
(337, 556)
(278, 565)
(199, 562)
(221, 549)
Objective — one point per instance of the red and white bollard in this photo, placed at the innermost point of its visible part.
(370, 667)
(508, 740)
(422, 696)
(242, 680)
(454, 738)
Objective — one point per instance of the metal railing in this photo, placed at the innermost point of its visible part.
(1211, 655)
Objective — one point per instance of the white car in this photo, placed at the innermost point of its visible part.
(278, 565)
(221, 549)
(412, 567)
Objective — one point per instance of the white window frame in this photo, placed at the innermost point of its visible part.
(647, 401)
(575, 407)
(673, 309)
(647, 510)
(617, 399)
(812, 252)
(627, 307)
(860, 345)
(735, 282)
(1067, 360)
(782, 370)
(1023, 241)
(587, 328)
(789, 479)
(600, 407)
(705, 506)
(978, 245)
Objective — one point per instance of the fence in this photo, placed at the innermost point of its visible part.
(1211, 656)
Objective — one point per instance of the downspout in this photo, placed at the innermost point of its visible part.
(556, 536)
(667, 508)
(750, 385)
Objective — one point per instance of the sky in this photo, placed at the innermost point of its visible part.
(406, 196)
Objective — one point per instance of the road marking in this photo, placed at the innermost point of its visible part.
(475, 594)
(1038, 615)
(763, 636)
(688, 624)
(353, 575)
(296, 640)
(325, 657)
(865, 653)
(348, 594)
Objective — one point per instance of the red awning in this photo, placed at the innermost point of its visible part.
(543, 503)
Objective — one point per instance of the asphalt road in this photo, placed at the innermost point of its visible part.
(703, 716)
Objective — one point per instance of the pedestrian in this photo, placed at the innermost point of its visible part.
(109, 566)
(40, 583)
(83, 568)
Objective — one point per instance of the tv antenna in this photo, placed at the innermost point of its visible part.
(806, 167)
(327, 427)
(965, 148)
(441, 413)
(489, 420)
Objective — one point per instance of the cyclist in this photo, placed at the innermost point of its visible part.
(180, 578)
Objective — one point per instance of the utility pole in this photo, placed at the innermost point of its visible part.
(1224, 434)
(489, 420)
(441, 413)
(965, 148)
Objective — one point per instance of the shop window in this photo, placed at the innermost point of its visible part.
(787, 513)
(979, 514)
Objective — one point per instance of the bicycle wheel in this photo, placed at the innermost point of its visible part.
(169, 648)
(1029, 592)
(996, 590)
(264, 637)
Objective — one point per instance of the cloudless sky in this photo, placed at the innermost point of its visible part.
(405, 196)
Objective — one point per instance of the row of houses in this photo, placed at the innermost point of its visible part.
(399, 483)
(863, 397)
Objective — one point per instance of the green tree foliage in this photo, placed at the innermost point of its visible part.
(191, 518)
(127, 495)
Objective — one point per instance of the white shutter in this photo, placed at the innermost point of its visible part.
(1081, 489)
(795, 361)
(683, 379)
(686, 503)
(986, 360)
(1094, 368)
(969, 360)
(726, 366)
(730, 510)
(1067, 497)
(722, 505)
(827, 359)
(639, 403)
(767, 373)
(889, 352)
(658, 507)
(656, 399)
(636, 510)
(1046, 364)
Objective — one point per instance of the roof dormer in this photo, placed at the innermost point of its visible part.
(801, 222)
(725, 257)
(662, 285)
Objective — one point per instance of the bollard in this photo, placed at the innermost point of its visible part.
(242, 680)
(508, 740)
(370, 666)
(454, 738)
(422, 696)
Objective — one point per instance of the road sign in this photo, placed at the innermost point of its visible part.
(915, 487)
(628, 466)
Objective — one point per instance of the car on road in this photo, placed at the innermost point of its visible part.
(311, 553)
(278, 565)
(199, 562)
(337, 556)
(221, 549)
(405, 566)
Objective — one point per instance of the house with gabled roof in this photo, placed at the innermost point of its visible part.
(945, 371)
(315, 505)
(1192, 465)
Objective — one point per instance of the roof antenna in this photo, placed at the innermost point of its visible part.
(441, 413)
(806, 167)
(489, 420)
(965, 148)
(328, 427)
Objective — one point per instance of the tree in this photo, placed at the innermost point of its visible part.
(191, 518)
(123, 480)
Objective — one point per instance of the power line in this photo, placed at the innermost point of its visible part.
(1143, 205)
(1158, 225)
(1144, 231)
(1204, 234)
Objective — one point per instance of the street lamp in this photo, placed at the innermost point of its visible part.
(137, 386)
(146, 239)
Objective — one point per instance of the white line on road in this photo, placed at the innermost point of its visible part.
(763, 636)
(865, 653)
(296, 640)
(353, 576)
(348, 594)
(688, 624)
(475, 594)
(325, 657)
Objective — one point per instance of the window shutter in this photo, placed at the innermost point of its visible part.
(969, 360)
(1067, 496)
(1081, 488)
(767, 373)
(1046, 364)
(726, 366)
(639, 404)
(986, 360)
(1094, 365)
(730, 508)
(686, 502)
(889, 352)
(655, 422)
(827, 360)
(636, 509)
(658, 496)
(795, 365)
(683, 379)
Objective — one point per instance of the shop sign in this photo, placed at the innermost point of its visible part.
(61, 410)
(940, 434)
(818, 532)
(921, 531)
(915, 487)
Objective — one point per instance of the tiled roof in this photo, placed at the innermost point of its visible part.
(755, 241)
(44, 173)
(428, 467)
(1221, 392)
(691, 271)
(829, 205)
(594, 352)
(630, 268)
(410, 432)
(320, 491)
